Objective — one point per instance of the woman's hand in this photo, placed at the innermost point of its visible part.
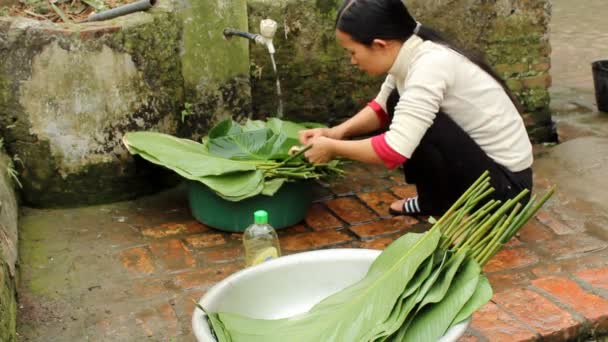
(322, 150)
(309, 134)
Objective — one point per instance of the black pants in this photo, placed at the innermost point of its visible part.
(448, 161)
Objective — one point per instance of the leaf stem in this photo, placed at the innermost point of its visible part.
(462, 199)
(301, 152)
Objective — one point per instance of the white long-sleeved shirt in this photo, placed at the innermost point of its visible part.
(431, 78)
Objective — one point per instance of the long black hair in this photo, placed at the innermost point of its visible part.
(366, 20)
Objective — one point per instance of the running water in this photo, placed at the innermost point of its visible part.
(279, 93)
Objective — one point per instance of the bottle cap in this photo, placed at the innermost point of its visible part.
(260, 217)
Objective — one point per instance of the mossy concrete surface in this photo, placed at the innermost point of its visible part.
(8, 305)
(69, 93)
(215, 70)
(8, 252)
(73, 284)
(319, 84)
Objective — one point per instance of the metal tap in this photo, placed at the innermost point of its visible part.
(268, 28)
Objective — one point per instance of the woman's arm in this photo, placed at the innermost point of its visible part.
(369, 119)
(366, 121)
(372, 117)
(325, 149)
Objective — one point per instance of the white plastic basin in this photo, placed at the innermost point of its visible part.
(289, 286)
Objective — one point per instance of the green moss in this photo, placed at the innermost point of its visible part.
(93, 184)
(320, 85)
(154, 48)
(536, 99)
(153, 43)
(223, 100)
(38, 250)
(7, 102)
(8, 305)
(207, 55)
(524, 51)
(327, 7)
(317, 80)
(215, 70)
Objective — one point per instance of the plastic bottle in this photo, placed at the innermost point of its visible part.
(260, 240)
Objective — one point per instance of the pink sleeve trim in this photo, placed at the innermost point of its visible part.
(390, 157)
(382, 116)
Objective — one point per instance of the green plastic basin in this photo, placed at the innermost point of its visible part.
(287, 207)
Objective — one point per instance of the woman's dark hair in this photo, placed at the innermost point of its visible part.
(366, 20)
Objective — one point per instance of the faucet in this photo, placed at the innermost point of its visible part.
(268, 28)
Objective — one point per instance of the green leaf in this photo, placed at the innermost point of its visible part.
(441, 286)
(224, 128)
(181, 155)
(237, 162)
(290, 129)
(231, 180)
(421, 293)
(404, 311)
(243, 146)
(217, 328)
(272, 186)
(252, 125)
(404, 304)
(436, 286)
(260, 144)
(352, 312)
(236, 186)
(431, 323)
(483, 294)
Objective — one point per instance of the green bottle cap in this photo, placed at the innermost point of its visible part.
(260, 217)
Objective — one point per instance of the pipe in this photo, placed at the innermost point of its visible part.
(141, 5)
(257, 38)
(232, 32)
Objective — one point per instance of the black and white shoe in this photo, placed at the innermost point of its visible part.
(411, 207)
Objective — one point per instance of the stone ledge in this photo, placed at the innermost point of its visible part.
(69, 93)
(8, 252)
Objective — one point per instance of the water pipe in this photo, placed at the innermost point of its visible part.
(229, 32)
(141, 5)
(268, 29)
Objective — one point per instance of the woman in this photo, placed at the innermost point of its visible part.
(449, 116)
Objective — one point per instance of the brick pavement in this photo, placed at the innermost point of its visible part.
(550, 282)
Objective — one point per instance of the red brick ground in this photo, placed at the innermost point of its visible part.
(550, 283)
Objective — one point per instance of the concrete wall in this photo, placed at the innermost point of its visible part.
(514, 35)
(8, 251)
(68, 93)
(317, 80)
(320, 85)
(215, 71)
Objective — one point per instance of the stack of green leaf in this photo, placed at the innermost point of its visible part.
(417, 288)
(236, 161)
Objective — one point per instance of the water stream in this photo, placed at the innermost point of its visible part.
(279, 93)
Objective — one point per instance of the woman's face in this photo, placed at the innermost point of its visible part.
(375, 60)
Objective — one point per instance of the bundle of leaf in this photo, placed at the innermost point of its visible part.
(418, 287)
(235, 161)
